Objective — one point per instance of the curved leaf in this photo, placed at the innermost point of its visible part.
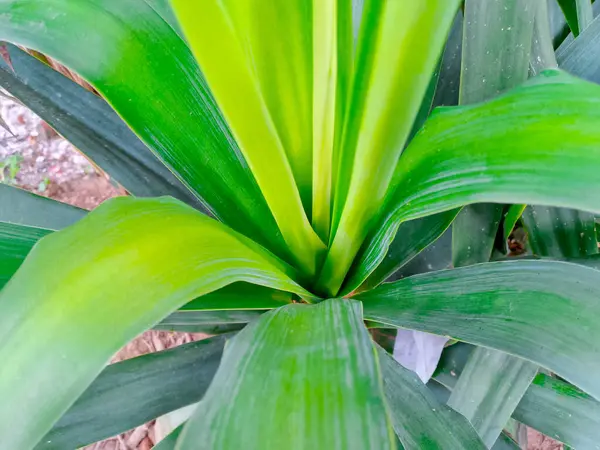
(489, 388)
(377, 126)
(495, 57)
(560, 232)
(91, 125)
(20, 207)
(418, 418)
(511, 217)
(560, 411)
(130, 393)
(138, 56)
(412, 237)
(537, 144)
(578, 14)
(543, 311)
(270, 109)
(147, 258)
(321, 357)
(15, 243)
(226, 317)
(581, 56)
(551, 406)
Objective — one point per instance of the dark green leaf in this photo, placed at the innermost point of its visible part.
(190, 318)
(129, 393)
(512, 215)
(412, 238)
(169, 441)
(419, 420)
(240, 296)
(560, 232)
(90, 124)
(581, 56)
(163, 9)
(488, 390)
(561, 411)
(15, 243)
(437, 256)
(447, 90)
(542, 50)
(549, 405)
(474, 232)
(578, 14)
(333, 381)
(495, 57)
(543, 311)
(21, 207)
(505, 443)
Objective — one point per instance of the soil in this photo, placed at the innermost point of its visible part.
(35, 158)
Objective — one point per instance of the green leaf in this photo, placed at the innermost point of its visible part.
(543, 311)
(91, 125)
(24, 208)
(240, 296)
(164, 10)
(496, 45)
(226, 309)
(437, 256)
(581, 56)
(138, 56)
(560, 232)
(148, 257)
(474, 232)
(170, 441)
(578, 14)
(334, 381)
(130, 393)
(488, 390)
(512, 215)
(537, 144)
(495, 57)
(419, 420)
(560, 411)
(447, 90)
(542, 51)
(551, 406)
(15, 243)
(377, 125)
(226, 317)
(412, 238)
(505, 443)
(270, 109)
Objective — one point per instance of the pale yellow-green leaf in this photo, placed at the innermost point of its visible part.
(399, 46)
(256, 57)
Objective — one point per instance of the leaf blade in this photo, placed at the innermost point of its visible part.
(155, 240)
(270, 110)
(24, 208)
(375, 133)
(489, 388)
(487, 174)
(258, 361)
(91, 125)
(419, 419)
(490, 313)
(182, 124)
(130, 393)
